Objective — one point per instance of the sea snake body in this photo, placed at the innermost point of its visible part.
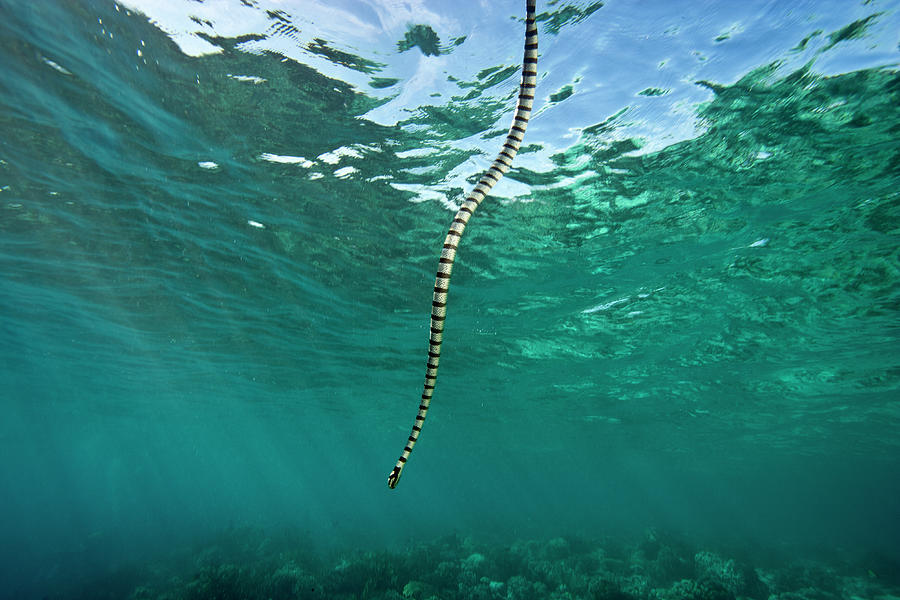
(501, 165)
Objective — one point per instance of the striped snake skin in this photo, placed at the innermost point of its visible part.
(501, 165)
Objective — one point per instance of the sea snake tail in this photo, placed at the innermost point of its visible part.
(501, 165)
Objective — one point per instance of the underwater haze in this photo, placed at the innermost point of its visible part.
(671, 361)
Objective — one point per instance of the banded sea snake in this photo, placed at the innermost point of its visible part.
(500, 166)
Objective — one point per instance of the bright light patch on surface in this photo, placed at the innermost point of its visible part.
(422, 193)
(334, 157)
(345, 172)
(248, 78)
(605, 306)
(415, 153)
(289, 160)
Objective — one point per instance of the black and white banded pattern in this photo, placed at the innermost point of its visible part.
(501, 165)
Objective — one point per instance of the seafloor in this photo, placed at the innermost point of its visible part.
(248, 565)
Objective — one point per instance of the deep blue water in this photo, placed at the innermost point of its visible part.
(219, 225)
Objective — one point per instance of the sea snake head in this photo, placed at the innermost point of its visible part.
(394, 477)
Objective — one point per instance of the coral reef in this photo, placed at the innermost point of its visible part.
(248, 565)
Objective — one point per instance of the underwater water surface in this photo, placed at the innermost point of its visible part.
(671, 362)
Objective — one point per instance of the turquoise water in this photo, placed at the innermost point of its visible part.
(678, 313)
